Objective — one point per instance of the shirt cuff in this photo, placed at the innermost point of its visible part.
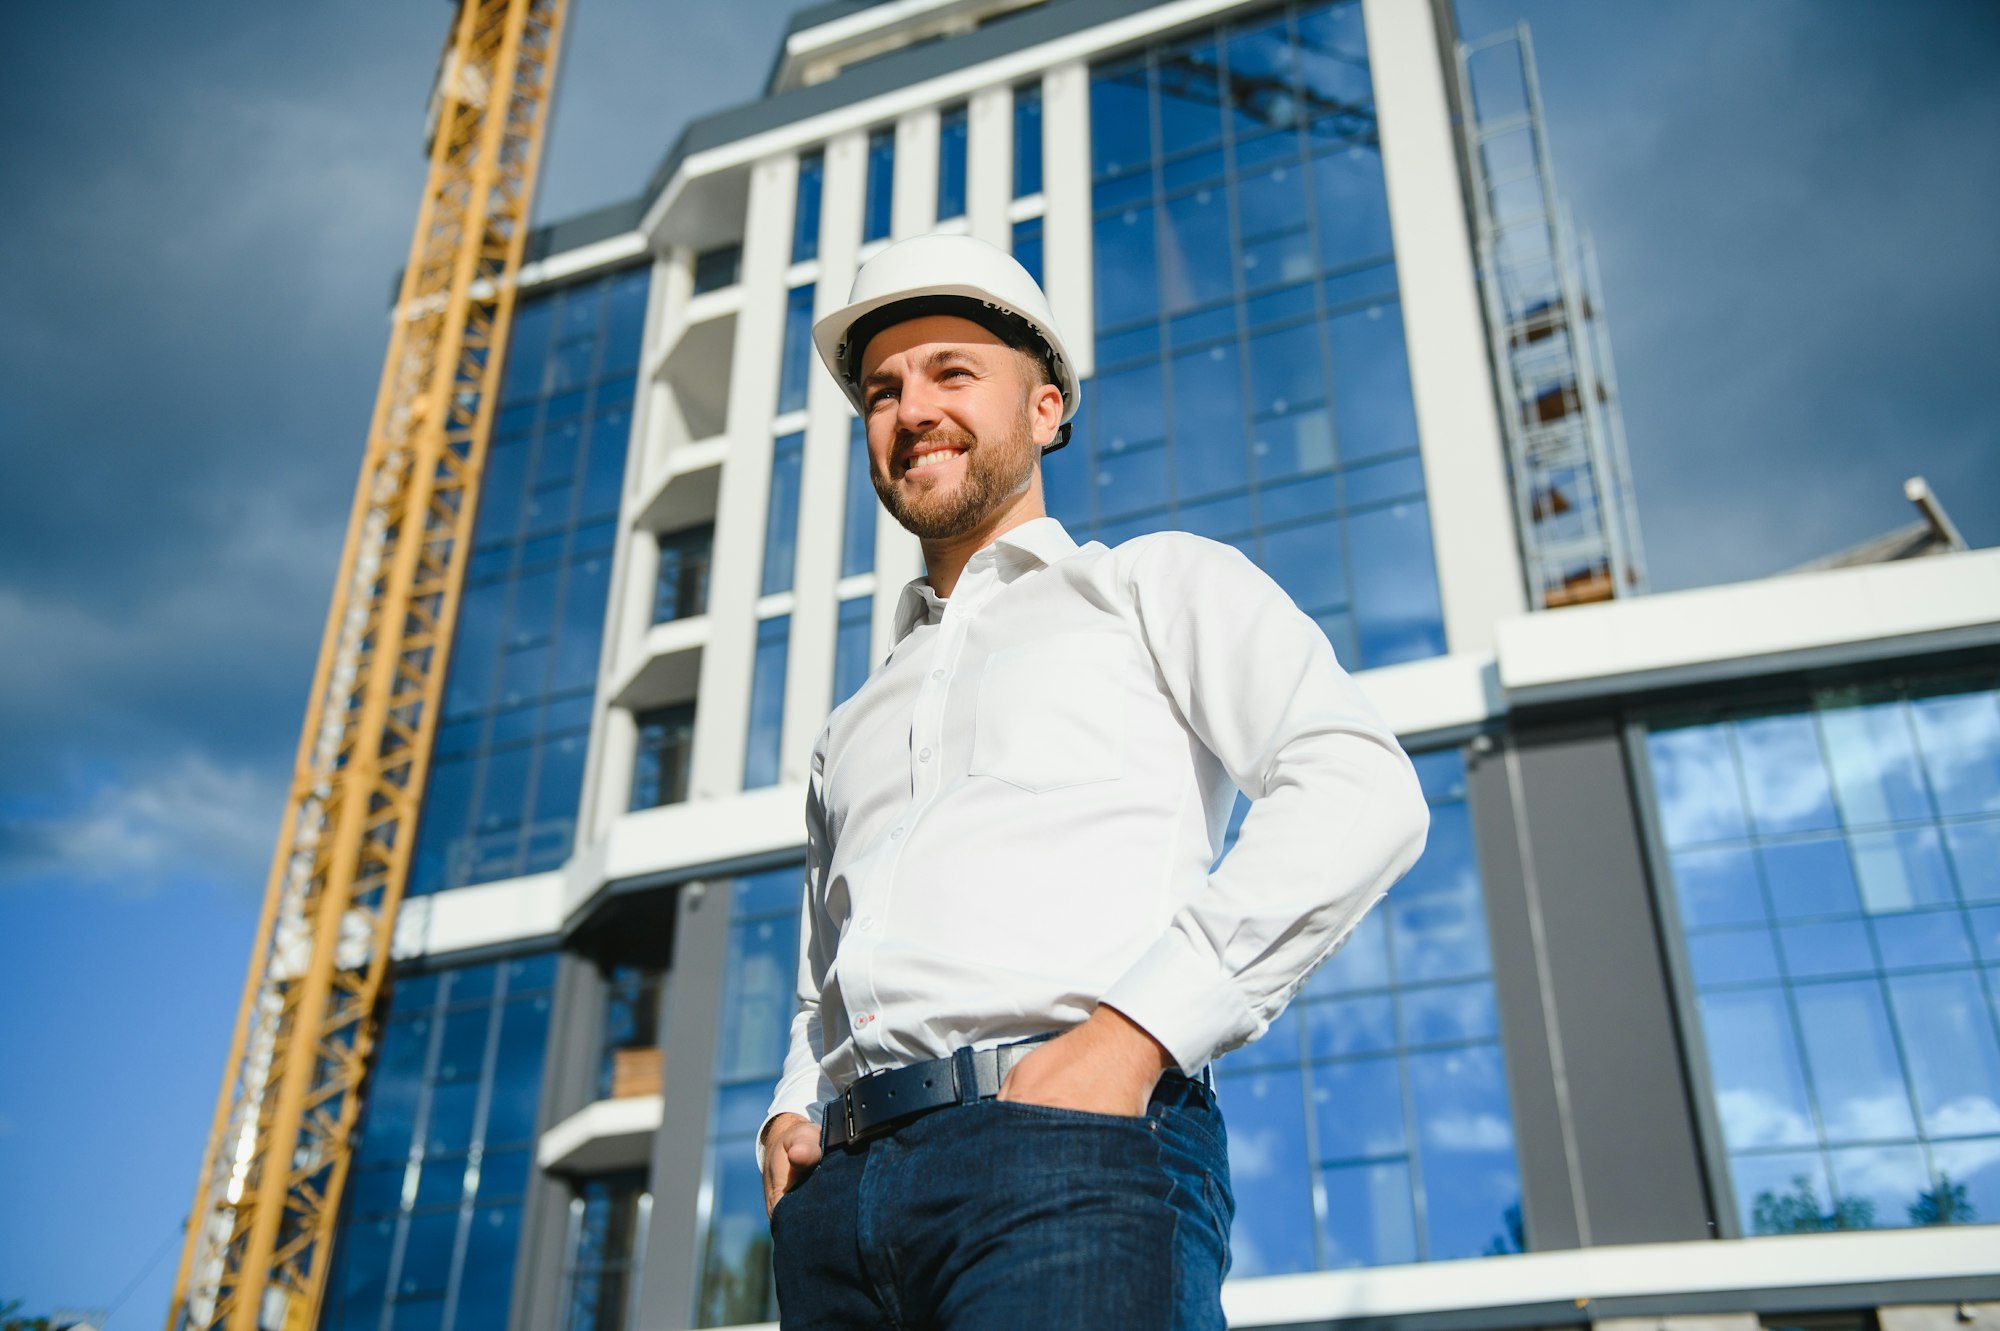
(1185, 1001)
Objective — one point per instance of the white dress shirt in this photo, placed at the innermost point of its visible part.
(1017, 817)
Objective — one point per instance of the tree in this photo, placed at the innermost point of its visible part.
(11, 1319)
(1797, 1211)
(1514, 1240)
(1946, 1204)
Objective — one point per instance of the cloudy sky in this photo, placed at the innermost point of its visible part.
(1792, 202)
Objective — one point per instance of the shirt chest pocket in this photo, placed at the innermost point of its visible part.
(1052, 714)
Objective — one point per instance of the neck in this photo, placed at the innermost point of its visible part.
(945, 559)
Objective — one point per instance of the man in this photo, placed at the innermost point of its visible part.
(1016, 961)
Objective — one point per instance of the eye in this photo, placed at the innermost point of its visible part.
(879, 396)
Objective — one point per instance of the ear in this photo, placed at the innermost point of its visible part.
(1045, 407)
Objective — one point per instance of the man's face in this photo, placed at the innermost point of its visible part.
(956, 421)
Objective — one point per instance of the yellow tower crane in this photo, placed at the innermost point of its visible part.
(261, 1233)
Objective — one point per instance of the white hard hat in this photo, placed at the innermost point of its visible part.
(955, 275)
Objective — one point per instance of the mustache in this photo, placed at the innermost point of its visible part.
(907, 443)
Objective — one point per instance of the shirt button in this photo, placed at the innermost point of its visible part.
(895, 834)
(923, 755)
(864, 1019)
(865, 923)
(937, 674)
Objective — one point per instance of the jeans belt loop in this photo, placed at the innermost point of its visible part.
(965, 1076)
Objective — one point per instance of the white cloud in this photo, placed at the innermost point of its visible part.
(1756, 1118)
(189, 819)
(1461, 1131)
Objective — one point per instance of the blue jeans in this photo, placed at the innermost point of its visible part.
(992, 1216)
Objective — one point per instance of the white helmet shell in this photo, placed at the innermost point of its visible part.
(931, 274)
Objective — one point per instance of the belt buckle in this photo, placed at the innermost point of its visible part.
(847, 1111)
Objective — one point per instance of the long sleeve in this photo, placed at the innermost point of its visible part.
(1336, 813)
(803, 1086)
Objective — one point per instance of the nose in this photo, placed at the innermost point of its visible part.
(917, 406)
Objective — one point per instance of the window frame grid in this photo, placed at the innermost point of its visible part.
(1725, 1200)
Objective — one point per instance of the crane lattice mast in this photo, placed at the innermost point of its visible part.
(261, 1233)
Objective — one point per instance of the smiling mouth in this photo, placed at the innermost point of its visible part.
(931, 457)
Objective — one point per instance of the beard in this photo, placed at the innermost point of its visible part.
(995, 471)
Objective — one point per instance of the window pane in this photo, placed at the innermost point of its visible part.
(1960, 737)
(1373, 411)
(881, 181)
(781, 525)
(797, 356)
(1396, 606)
(951, 163)
(1466, 1149)
(1127, 267)
(1753, 1060)
(857, 551)
(483, 1291)
(767, 703)
(1783, 774)
(1027, 140)
(805, 210)
(1872, 752)
(1273, 1232)
(850, 648)
(736, 1261)
(1694, 781)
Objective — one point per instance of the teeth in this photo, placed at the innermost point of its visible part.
(930, 459)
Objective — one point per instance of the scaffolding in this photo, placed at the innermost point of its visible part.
(1551, 350)
(269, 1193)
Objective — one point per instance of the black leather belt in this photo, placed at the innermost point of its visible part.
(884, 1100)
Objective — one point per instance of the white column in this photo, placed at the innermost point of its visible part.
(809, 683)
(989, 151)
(723, 711)
(1472, 512)
(913, 209)
(1066, 246)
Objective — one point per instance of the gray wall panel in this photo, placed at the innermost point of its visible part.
(693, 998)
(569, 1079)
(1548, 1206)
(1631, 1126)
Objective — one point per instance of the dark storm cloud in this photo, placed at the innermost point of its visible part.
(1792, 204)
(197, 251)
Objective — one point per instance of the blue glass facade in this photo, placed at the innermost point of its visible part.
(850, 648)
(875, 217)
(781, 514)
(507, 769)
(857, 531)
(767, 702)
(1252, 383)
(433, 1207)
(609, 1217)
(805, 208)
(796, 358)
(1027, 245)
(1371, 1124)
(1835, 870)
(951, 162)
(1027, 140)
(760, 993)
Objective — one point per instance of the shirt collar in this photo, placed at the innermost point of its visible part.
(1037, 543)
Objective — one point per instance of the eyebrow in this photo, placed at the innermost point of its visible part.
(937, 360)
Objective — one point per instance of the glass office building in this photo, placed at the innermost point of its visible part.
(1695, 994)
